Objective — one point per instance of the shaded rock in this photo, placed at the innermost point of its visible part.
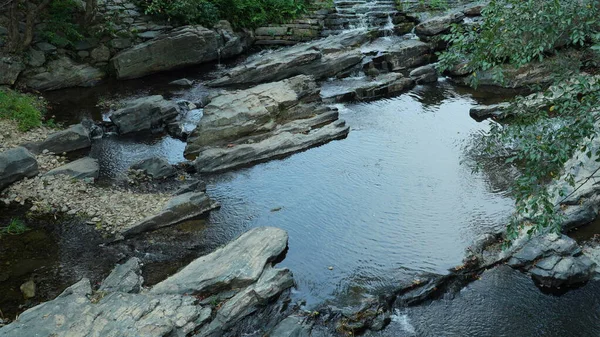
(185, 46)
(385, 85)
(196, 186)
(239, 264)
(125, 278)
(401, 56)
(437, 25)
(157, 168)
(144, 114)
(76, 313)
(101, 54)
(35, 58)
(76, 137)
(184, 82)
(292, 326)
(62, 73)
(270, 284)
(495, 111)
(424, 74)
(46, 47)
(320, 59)
(10, 68)
(553, 260)
(179, 208)
(474, 9)
(79, 169)
(16, 164)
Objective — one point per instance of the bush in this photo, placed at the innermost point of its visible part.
(15, 227)
(26, 110)
(240, 13)
(61, 28)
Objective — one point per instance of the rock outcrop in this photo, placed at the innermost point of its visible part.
(16, 164)
(424, 74)
(62, 73)
(144, 114)
(240, 275)
(156, 168)
(10, 68)
(83, 168)
(385, 85)
(267, 121)
(76, 137)
(438, 25)
(188, 45)
(180, 208)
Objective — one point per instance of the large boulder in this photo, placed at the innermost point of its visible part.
(62, 73)
(144, 114)
(10, 68)
(179, 208)
(385, 85)
(125, 278)
(438, 25)
(424, 74)
(156, 168)
(403, 56)
(76, 137)
(83, 168)
(16, 164)
(235, 266)
(182, 47)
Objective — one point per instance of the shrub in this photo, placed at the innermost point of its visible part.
(60, 23)
(15, 227)
(25, 109)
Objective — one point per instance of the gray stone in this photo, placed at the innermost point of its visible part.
(157, 168)
(144, 114)
(151, 34)
(121, 43)
(186, 46)
(83, 54)
(495, 111)
(292, 326)
(180, 208)
(62, 73)
(35, 58)
(125, 278)
(196, 186)
(239, 264)
(16, 164)
(76, 137)
(10, 69)
(424, 74)
(101, 54)
(83, 168)
(404, 55)
(184, 82)
(439, 24)
(85, 44)
(385, 85)
(46, 47)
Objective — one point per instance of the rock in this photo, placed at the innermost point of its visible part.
(237, 265)
(385, 85)
(424, 74)
(101, 54)
(474, 9)
(185, 46)
(35, 58)
(62, 73)
(271, 283)
(196, 186)
(46, 47)
(179, 208)
(495, 111)
(553, 260)
(438, 24)
(79, 169)
(28, 289)
(16, 164)
(184, 82)
(121, 43)
(76, 312)
(292, 326)
(157, 168)
(76, 137)
(400, 56)
(143, 114)
(125, 278)
(10, 68)
(320, 59)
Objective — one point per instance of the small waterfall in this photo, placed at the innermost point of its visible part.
(361, 14)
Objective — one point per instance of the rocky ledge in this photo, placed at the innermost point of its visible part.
(206, 298)
(264, 122)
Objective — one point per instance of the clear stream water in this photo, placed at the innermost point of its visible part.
(395, 199)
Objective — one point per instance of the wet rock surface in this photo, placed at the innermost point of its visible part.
(156, 168)
(121, 307)
(386, 85)
(144, 114)
(74, 138)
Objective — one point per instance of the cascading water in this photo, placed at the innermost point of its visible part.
(362, 14)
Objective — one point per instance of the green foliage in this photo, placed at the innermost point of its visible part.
(14, 227)
(61, 28)
(519, 32)
(25, 109)
(240, 13)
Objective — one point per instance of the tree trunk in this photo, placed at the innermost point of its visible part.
(14, 37)
(90, 11)
(32, 13)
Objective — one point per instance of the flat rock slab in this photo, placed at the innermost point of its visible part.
(438, 25)
(76, 137)
(385, 85)
(79, 169)
(180, 208)
(125, 278)
(74, 314)
(144, 114)
(237, 265)
(157, 168)
(16, 164)
(62, 73)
